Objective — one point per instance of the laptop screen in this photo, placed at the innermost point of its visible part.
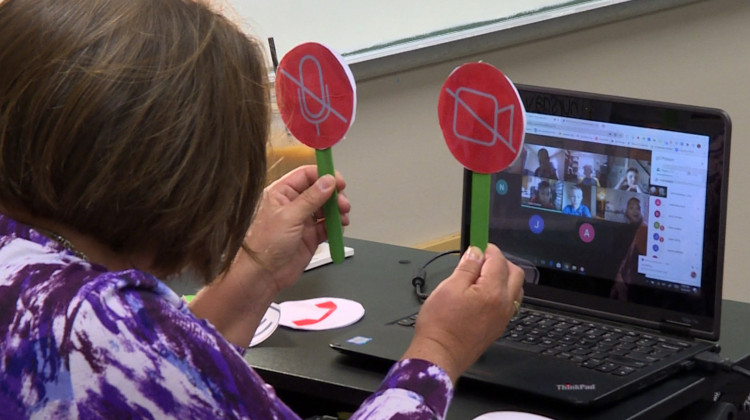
(620, 205)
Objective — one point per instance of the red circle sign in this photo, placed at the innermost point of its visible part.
(482, 118)
(316, 95)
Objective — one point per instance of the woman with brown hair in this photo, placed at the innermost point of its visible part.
(132, 147)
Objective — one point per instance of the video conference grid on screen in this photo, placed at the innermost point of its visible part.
(612, 201)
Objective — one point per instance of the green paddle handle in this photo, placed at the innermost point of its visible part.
(331, 212)
(480, 210)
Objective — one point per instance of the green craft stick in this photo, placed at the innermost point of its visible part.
(480, 210)
(324, 159)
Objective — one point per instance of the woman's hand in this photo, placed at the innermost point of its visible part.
(467, 311)
(289, 224)
(285, 232)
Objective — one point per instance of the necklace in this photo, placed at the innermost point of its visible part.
(62, 241)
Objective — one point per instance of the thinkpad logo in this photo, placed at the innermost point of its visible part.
(576, 387)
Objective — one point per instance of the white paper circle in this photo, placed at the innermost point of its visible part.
(267, 325)
(510, 415)
(322, 313)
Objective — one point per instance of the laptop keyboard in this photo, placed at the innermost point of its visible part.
(593, 345)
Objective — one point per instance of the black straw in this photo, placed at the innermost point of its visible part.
(274, 59)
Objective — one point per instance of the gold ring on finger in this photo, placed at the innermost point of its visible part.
(517, 304)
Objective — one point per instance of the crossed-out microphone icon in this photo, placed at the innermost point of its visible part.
(305, 94)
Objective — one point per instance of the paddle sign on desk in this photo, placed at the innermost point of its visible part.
(483, 122)
(316, 96)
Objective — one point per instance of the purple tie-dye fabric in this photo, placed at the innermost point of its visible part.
(78, 341)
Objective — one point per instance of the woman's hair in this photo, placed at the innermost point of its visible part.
(142, 123)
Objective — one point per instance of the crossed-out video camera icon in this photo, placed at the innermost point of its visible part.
(467, 100)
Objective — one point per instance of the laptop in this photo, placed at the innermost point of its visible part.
(616, 210)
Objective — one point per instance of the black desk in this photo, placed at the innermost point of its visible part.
(300, 363)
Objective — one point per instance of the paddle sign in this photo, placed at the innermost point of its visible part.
(316, 96)
(483, 122)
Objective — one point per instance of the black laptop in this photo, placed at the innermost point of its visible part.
(616, 209)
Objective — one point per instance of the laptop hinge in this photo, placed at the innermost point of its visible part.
(675, 328)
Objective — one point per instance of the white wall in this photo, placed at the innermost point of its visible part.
(405, 185)
(367, 24)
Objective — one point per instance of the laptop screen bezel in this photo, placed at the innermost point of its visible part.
(715, 124)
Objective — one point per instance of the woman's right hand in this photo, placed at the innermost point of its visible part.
(467, 311)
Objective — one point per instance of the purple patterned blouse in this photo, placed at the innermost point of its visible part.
(78, 341)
